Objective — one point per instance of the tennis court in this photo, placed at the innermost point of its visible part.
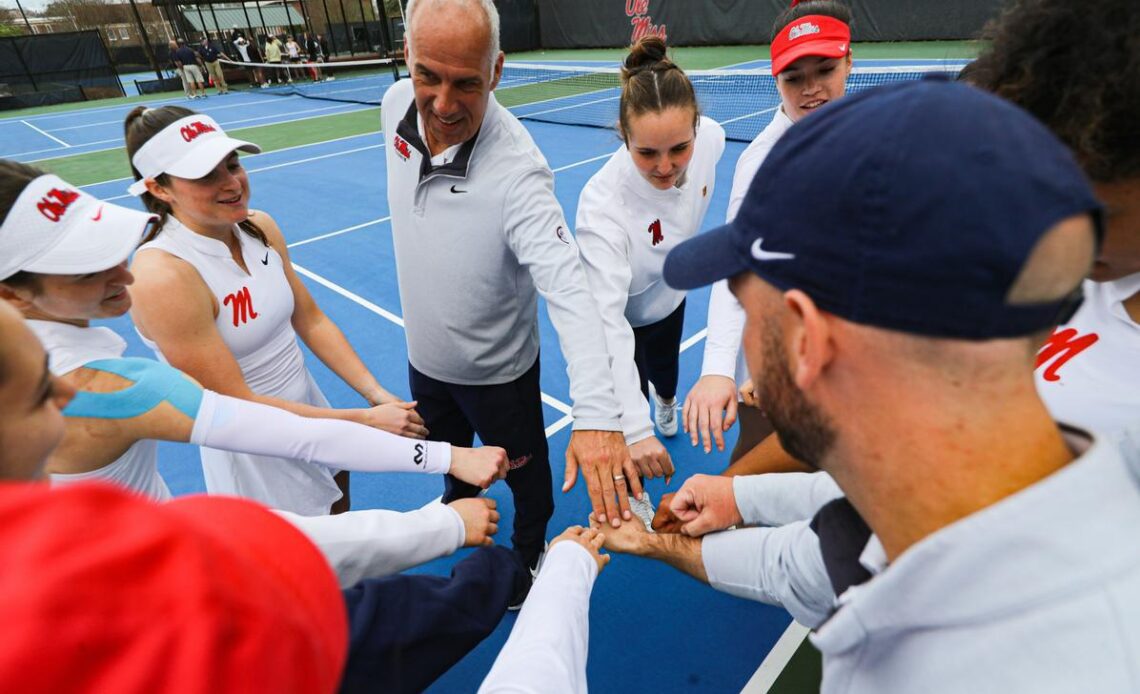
(323, 179)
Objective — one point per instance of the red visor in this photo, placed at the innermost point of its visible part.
(814, 34)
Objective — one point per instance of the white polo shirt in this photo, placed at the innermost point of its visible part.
(723, 356)
(625, 228)
(477, 240)
(1088, 371)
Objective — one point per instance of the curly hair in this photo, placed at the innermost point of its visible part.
(1076, 67)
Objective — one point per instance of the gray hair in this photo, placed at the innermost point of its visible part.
(489, 11)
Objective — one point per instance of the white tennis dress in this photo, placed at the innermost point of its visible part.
(254, 314)
(1087, 371)
(69, 348)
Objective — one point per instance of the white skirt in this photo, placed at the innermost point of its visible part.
(287, 484)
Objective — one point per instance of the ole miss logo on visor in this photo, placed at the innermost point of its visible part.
(54, 205)
(193, 130)
(402, 148)
(805, 29)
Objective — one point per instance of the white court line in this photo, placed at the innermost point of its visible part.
(177, 100)
(41, 132)
(338, 232)
(280, 166)
(583, 162)
(749, 115)
(59, 152)
(566, 108)
(776, 660)
(700, 335)
(120, 140)
(251, 156)
(224, 125)
(389, 316)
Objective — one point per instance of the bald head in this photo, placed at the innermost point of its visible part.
(482, 16)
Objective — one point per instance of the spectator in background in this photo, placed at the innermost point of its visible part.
(251, 56)
(189, 62)
(313, 50)
(294, 53)
(172, 46)
(323, 46)
(210, 57)
(273, 56)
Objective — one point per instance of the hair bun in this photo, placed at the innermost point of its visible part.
(648, 53)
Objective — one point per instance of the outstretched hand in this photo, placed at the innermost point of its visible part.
(591, 538)
(608, 471)
(710, 410)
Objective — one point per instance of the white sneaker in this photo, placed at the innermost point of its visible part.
(643, 510)
(665, 415)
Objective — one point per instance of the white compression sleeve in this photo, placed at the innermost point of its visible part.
(237, 425)
(375, 543)
(547, 649)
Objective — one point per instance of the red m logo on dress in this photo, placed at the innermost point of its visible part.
(242, 304)
(655, 229)
(54, 205)
(1062, 346)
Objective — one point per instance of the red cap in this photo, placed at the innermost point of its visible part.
(104, 591)
(814, 34)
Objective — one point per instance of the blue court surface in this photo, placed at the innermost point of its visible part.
(652, 629)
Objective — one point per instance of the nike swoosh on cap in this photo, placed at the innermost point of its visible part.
(98, 214)
(759, 253)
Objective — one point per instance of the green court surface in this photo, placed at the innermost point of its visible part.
(93, 167)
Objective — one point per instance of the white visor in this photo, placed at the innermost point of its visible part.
(189, 147)
(56, 229)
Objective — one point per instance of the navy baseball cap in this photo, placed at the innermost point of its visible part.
(911, 207)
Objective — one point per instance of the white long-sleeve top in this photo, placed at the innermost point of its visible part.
(780, 565)
(546, 652)
(1036, 593)
(723, 356)
(376, 543)
(625, 228)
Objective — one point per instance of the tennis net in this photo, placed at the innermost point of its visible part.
(741, 100)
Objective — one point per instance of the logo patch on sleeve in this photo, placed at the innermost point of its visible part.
(563, 235)
(401, 146)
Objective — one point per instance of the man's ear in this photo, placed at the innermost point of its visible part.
(497, 70)
(809, 335)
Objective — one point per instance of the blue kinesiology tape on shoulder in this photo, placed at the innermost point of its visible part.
(153, 383)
